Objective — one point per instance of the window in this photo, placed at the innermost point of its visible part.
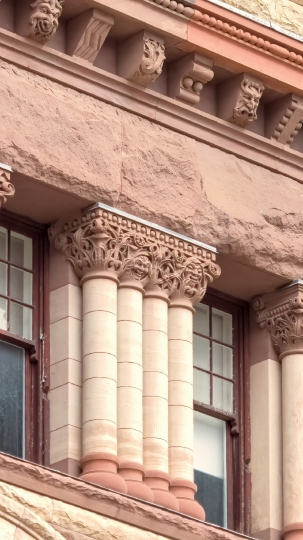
(22, 351)
(219, 409)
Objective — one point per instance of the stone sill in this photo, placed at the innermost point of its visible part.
(83, 77)
(105, 502)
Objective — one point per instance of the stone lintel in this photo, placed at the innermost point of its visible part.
(239, 98)
(86, 34)
(281, 312)
(141, 58)
(187, 75)
(284, 118)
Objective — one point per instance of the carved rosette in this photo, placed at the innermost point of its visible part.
(248, 101)
(284, 323)
(45, 19)
(104, 242)
(7, 189)
(152, 62)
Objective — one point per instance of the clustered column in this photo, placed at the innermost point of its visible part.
(139, 288)
(282, 313)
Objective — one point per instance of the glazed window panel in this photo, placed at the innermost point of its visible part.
(219, 368)
(16, 283)
(213, 358)
(23, 318)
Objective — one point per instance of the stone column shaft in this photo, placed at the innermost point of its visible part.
(181, 427)
(155, 397)
(282, 313)
(99, 444)
(130, 389)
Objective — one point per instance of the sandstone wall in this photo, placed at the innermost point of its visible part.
(78, 144)
(286, 13)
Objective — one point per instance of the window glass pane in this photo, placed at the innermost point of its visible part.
(210, 466)
(20, 320)
(201, 352)
(201, 386)
(222, 360)
(201, 320)
(21, 285)
(3, 314)
(12, 363)
(21, 250)
(223, 394)
(222, 326)
(3, 243)
(3, 279)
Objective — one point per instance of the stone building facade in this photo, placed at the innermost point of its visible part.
(151, 276)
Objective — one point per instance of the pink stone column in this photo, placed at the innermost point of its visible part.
(155, 397)
(130, 389)
(99, 443)
(180, 401)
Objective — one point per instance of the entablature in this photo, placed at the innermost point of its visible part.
(199, 54)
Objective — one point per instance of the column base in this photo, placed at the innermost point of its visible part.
(185, 491)
(101, 469)
(293, 532)
(133, 474)
(159, 483)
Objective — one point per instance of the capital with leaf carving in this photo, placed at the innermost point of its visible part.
(281, 312)
(107, 242)
(7, 189)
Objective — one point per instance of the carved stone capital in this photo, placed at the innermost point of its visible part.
(86, 34)
(44, 20)
(105, 241)
(281, 312)
(141, 58)
(187, 76)
(7, 189)
(239, 98)
(284, 118)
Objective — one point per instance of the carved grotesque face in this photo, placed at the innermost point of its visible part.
(141, 267)
(246, 109)
(45, 18)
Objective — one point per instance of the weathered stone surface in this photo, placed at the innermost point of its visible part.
(286, 13)
(89, 148)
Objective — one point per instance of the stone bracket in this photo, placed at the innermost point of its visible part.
(284, 118)
(141, 58)
(187, 75)
(7, 189)
(239, 98)
(86, 34)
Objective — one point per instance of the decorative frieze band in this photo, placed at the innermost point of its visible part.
(7, 189)
(282, 315)
(104, 241)
(44, 20)
(234, 32)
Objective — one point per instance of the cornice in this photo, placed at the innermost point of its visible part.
(234, 31)
(99, 500)
(168, 112)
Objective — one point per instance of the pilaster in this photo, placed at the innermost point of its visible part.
(281, 312)
(140, 283)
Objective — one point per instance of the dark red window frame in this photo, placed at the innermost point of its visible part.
(36, 350)
(237, 423)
